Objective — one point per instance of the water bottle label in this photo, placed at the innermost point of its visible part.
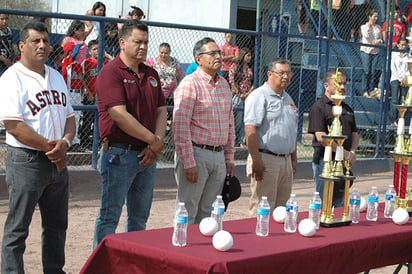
(218, 210)
(315, 206)
(263, 211)
(389, 197)
(372, 199)
(181, 219)
(290, 208)
(354, 201)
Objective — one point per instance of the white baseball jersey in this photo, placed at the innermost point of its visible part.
(42, 103)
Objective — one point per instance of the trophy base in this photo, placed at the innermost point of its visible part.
(335, 223)
(332, 178)
(346, 177)
(334, 137)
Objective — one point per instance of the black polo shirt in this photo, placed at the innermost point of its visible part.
(320, 117)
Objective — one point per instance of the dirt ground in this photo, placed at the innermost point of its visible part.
(84, 206)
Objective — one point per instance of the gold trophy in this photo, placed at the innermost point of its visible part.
(333, 169)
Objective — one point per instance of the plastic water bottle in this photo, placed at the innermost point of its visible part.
(354, 206)
(218, 211)
(390, 199)
(180, 226)
(373, 201)
(315, 208)
(291, 214)
(263, 217)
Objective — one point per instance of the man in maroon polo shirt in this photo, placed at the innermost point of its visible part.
(132, 122)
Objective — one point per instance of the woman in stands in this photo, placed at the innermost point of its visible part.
(169, 70)
(371, 34)
(98, 9)
(241, 82)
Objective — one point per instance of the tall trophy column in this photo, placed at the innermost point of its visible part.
(333, 169)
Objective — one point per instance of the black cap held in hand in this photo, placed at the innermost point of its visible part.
(231, 190)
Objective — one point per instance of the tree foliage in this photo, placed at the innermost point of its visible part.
(18, 21)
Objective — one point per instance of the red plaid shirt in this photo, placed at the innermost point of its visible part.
(203, 114)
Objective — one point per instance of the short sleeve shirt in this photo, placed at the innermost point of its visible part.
(320, 117)
(275, 119)
(141, 94)
(43, 103)
(227, 51)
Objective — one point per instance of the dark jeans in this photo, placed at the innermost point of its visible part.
(369, 76)
(124, 180)
(32, 179)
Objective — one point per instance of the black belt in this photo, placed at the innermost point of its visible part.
(272, 153)
(212, 148)
(125, 146)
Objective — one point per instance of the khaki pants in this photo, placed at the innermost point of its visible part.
(199, 197)
(276, 184)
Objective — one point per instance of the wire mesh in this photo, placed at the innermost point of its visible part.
(289, 29)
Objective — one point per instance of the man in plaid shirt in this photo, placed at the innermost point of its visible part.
(204, 132)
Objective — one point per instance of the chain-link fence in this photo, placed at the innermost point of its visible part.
(288, 29)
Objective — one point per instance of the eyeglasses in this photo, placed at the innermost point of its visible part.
(212, 53)
(283, 73)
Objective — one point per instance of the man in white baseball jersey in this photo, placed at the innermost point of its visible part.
(39, 120)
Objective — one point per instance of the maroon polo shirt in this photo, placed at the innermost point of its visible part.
(141, 94)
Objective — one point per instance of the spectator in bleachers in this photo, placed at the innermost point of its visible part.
(76, 34)
(90, 73)
(6, 44)
(136, 13)
(408, 16)
(302, 16)
(46, 21)
(399, 29)
(111, 45)
(169, 70)
(241, 83)
(315, 11)
(399, 71)
(73, 75)
(371, 34)
(56, 58)
(340, 13)
(359, 11)
(98, 9)
(230, 55)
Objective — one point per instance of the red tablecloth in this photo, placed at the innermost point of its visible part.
(347, 249)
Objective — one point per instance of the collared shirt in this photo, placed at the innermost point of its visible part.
(141, 93)
(228, 51)
(275, 118)
(320, 117)
(203, 114)
(399, 66)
